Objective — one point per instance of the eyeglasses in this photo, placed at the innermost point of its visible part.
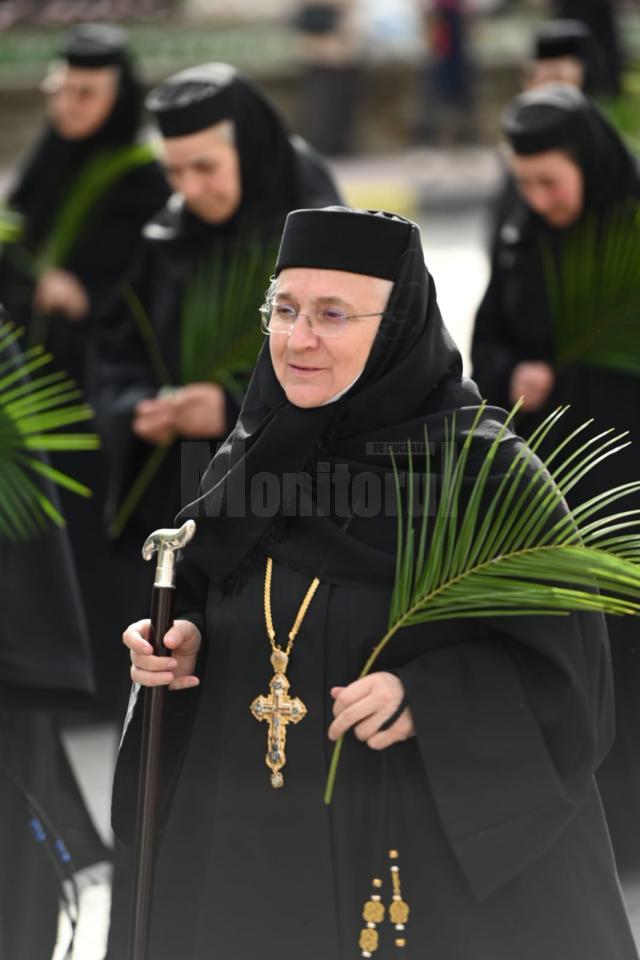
(324, 321)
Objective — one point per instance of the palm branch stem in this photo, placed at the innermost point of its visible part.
(136, 490)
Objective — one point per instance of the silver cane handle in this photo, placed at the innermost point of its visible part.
(166, 543)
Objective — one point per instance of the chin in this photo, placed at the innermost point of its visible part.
(305, 399)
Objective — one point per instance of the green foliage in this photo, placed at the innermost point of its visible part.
(100, 173)
(594, 294)
(512, 548)
(11, 225)
(220, 334)
(623, 111)
(35, 409)
(219, 337)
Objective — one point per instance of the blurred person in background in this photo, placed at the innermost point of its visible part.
(446, 100)
(331, 49)
(577, 184)
(47, 836)
(84, 192)
(175, 345)
(563, 52)
(600, 17)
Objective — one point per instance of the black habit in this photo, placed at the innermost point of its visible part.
(177, 249)
(99, 256)
(514, 323)
(45, 667)
(492, 804)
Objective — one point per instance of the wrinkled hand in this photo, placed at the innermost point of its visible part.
(154, 420)
(59, 291)
(533, 381)
(174, 671)
(365, 705)
(200, 410)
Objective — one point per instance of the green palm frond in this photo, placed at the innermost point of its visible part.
(623, 111)
(35, 410)
(100, 173)
(11, 225)
(220, 336)
(514, 549)
(594, 294)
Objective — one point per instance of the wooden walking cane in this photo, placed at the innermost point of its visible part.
(166, 543)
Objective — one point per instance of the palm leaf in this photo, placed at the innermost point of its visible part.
(594, 294)
(516, 551)
(622, 110)
(219, 338)
(100, 173)
(33, 416)
(11, 225)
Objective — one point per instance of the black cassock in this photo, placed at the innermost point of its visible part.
(99, 256)
(492, 806)
(514, 324)
(45, 667)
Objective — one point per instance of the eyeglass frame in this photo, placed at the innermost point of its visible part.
(268, 305)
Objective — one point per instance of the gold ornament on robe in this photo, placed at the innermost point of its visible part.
(278, 710)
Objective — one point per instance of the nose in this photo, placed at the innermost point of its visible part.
(540, 200)
(302, 336)
(189, 185)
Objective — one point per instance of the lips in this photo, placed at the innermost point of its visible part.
(304, 371)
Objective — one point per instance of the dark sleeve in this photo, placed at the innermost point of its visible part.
(492, 356)
(121, 375)
(104, 256)
(180, 706)
(511, 723)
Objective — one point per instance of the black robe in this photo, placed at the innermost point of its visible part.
(45, 667)
(99, 258)
(491, 805)
(175, 245)
(513, 324)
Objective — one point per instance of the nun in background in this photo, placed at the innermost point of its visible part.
(172, 369)
(84, 193)
(47, 836)
(573, 173)
(467, 769)
(563, 52)
(601, 18)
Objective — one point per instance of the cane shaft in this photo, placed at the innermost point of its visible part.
(161, 621)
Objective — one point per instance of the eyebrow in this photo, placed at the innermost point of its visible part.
(317, 300)
(195, 162)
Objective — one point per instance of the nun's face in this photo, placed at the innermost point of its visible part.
(313, 368)
(552, 184)
(80, 100)
(568, 70)
(205, 168)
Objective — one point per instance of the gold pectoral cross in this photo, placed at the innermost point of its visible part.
(279, 710)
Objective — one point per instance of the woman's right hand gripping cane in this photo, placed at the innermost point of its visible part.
(176, 671)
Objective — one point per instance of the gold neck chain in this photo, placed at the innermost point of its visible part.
(301, 614)
(278, 708)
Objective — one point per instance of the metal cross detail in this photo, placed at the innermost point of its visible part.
(279, 710)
